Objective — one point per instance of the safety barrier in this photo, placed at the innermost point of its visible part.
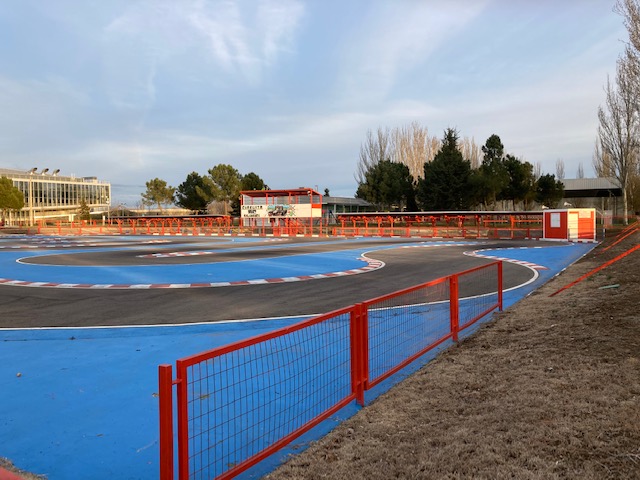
(239, 403)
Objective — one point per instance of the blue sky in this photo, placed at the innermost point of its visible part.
(130, 90)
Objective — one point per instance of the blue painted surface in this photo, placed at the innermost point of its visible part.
(80, 403)
(84, 404)
(184, 273)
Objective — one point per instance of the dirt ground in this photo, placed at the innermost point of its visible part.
(548, 390)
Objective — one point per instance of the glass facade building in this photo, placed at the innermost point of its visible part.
(50, 196)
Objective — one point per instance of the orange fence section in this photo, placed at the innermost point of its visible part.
(237, 404)
(427, 227)
(491, 225)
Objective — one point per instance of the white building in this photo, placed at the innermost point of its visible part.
(50, 196)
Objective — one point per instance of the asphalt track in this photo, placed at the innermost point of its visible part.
(113, 281)
(80, 401)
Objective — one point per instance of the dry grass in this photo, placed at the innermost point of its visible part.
(549, 390)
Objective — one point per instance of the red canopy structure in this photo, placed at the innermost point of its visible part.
(302, 206)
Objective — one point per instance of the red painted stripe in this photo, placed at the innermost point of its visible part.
(7, 475)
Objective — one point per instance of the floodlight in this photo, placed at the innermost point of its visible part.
(33, 170)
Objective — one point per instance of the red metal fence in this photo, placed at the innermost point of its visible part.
(510, 226)
(238, 404)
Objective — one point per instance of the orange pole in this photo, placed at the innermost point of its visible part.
(454, 303)
(165, 394)
(596, 270)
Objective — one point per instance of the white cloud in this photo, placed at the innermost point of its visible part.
(162, 88)
(214, 37)
(278, 21)
(395, 37)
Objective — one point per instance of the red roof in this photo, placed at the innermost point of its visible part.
(280, 193)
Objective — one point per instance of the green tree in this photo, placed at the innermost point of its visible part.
(84, 211)
(224, 182)
(250, 181)
(492, 177)
(11, 197)
(549, 191)
(194, 193)
(388, 185)
(521, 186)
(445, 185)
(158, 193)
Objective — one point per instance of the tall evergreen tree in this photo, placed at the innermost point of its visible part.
(492, 176)
(252, 181)
(445, 185)
(388, 185)
(193, 194)
(521, 186)
(549, 191)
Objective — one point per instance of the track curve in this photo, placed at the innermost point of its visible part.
(315, 270)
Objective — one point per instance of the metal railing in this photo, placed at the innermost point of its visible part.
(239, 403)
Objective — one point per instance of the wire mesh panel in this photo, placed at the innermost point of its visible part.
(239, 403)
(479, 293)
(404, 325)
(243, 401)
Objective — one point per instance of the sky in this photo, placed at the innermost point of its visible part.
(131, 90)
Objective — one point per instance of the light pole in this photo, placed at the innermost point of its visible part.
(30, 195)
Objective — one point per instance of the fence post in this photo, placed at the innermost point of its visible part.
(165, 397)
(183, 421)
(500, 285)
(454, 306)
(359, 349)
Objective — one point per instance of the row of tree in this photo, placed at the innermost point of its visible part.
(198, 193)
(456, 176)
(452, 180)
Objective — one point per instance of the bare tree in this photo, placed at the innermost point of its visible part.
(630, 10)
(560, 169)
(537, 171)
(621, 157)
(580, 172)
(601, 162)
(619, 128)
(375, 149)
(412, 146)
(471, 151)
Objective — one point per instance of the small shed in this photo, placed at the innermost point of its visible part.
(572, 224)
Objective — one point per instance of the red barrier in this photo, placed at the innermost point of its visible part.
(239, 403)
(596, 270)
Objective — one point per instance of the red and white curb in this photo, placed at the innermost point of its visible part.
(371, 265)
(476, 253)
